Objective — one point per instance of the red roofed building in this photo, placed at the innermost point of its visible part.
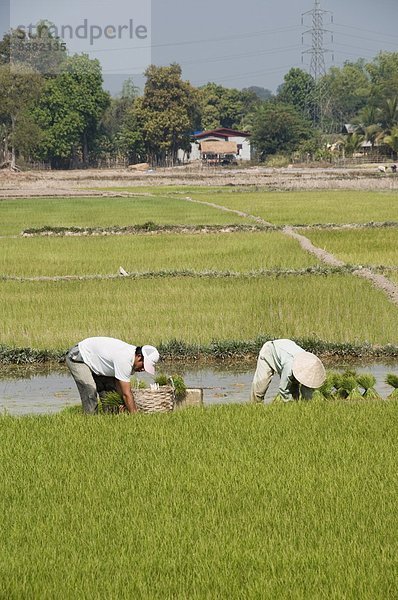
(219, 146)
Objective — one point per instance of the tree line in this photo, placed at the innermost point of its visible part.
(54, 109)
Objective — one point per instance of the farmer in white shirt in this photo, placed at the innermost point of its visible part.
(101, 364)
(300, 371)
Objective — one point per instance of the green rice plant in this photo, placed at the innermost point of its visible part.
(393, 275)
(358, 246)
(317, 396)
(138, 384)
(346, 385)
(162, 379)
(327, 390)
(180, 389)
(18, 214)
(195, 312)
(392, 380)
(75, 409)
(277, 400)
(350, 384)
(335, 380)
(177, 382)
(309, 207)
(96, 255)
(367, 381)
(317, 519)
(110, 402)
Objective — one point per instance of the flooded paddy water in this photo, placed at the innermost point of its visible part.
(44, 390)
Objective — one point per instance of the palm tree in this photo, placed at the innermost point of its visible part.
(367, 116)
(389, 114)
(352, 143)
(373, 134)
(391, 141)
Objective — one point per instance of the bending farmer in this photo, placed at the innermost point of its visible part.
(102, 364)
(300, 371)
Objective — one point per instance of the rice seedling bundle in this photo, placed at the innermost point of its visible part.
(111, 402)
(392, 380)
(367, 381)
(349, 387)
(176, 382)
(327, 389)
(346, 385)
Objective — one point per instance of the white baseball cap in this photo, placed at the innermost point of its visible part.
(151, 357)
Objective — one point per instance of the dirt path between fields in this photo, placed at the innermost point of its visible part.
(230, 210)
(379, 281)
(308, 246)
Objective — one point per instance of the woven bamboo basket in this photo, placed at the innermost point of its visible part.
(161, 400)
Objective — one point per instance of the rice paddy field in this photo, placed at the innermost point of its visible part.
(365, 247)
(298, 207)
(141, 253)
(17, 215)
(336, 308)
(194, 287)
(292, 500)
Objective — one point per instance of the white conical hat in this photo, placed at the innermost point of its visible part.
(308, 369)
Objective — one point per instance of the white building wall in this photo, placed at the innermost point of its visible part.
(245, 153)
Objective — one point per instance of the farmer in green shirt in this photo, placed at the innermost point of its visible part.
(300, 371)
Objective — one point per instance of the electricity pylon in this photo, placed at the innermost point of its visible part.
(317, 51)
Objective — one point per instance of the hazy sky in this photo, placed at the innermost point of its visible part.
(236, 43)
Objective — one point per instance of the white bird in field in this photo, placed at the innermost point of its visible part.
(382, 169)
(122, 272)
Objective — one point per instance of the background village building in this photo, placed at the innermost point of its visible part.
(218, 146)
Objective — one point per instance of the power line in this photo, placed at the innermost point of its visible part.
(381, 33)
(249, 74)
(234, 37)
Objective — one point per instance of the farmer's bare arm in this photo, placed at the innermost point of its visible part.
(124, 389)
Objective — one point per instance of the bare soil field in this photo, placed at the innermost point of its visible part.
(79, 182)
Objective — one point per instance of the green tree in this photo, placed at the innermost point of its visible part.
(5, 49)
(298, 89)
(122, 135)
(352, 143)
(346, 91)
(261, 92)
(383, 72)
(114, 117)
(69, 111)
(391, 141)
(19, 87)
(166, 113)
(278, 127)
(38, 48)
(225, 107)
(389, 114)
(367, 116)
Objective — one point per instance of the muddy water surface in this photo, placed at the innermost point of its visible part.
(26, 390)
